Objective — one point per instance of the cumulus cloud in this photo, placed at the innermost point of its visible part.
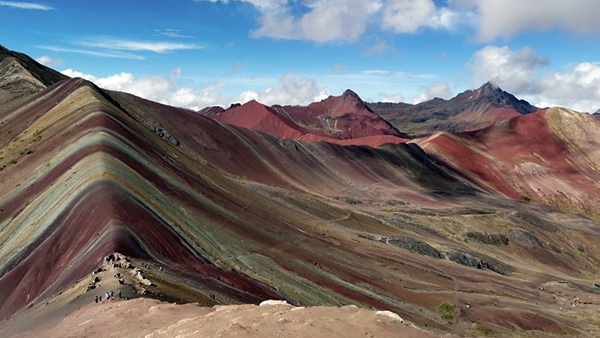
(577, 86)
(436, 89)
(163, 89)
(26, 5)
(507, 17)
(291, 90)
(346, 20)
(49, 61)
(342, 20)
(409, 16)
(395, 98)
(511, 70)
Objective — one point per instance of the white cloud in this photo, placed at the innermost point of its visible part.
(49, 62)
(163, 89)
(156, 47)
(171, 33)
(511, 70)
(98, 53)
(395, 98)
(117, 48)
(408, 16)
(260, 4)
(346, 20)
(436, 89)
(26, 5)
(341, 20)
(508, 17)
(577, 86)
(73, 73)
(197, 99)
(290, 90)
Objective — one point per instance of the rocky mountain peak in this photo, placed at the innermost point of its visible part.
(488, 89)
(351, 94)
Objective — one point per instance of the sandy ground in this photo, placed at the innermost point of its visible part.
(144, 317)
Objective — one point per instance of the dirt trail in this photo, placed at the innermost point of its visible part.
(151, 318)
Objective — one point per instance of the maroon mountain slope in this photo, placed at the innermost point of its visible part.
(549, 156)
(344, 119)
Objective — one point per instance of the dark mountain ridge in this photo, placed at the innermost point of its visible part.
(469, 110)
(21, 75)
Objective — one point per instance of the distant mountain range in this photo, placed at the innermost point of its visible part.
(348, 117)
(476, 215)
(468, 111)
(344, 119)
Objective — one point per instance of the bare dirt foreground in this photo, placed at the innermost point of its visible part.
(144, 317)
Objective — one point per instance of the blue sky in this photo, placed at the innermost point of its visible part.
(215, 52)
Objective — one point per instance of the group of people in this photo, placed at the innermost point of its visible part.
(108, 296)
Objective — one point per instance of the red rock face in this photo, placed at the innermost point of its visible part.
(344, 119)
(526, 158)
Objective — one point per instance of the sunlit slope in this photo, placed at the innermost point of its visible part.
(549, 156)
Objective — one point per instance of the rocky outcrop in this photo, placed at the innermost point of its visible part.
(161, 132)
(412, 245)
(479, 262)
(525, 239)
(535, 221)
(486, 238)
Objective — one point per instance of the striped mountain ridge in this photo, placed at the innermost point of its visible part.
(103, 182)
(219, 214)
